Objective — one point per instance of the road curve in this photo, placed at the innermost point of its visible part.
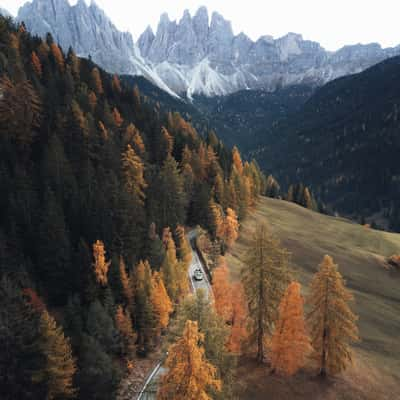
(149, 391)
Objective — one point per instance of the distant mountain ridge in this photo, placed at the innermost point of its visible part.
(197, 55)
(344, 142)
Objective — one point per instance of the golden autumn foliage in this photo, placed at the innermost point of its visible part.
(161, 302)
(189, 375)
(186, 156)
(14, 41)
(237, 160)
(127, 289)
(222, 290)
(216, 219)
(97, 83)
(170, 269)
(123, 322)
(116, 84)
(167, 141)
(290, 343)
(308, 201)
(133, 171)
(118, 120)
(100, 265)
(138, 144)
(80, 118)
(231, 227)
(58, 56)
(36, 64)
(103, 131)
(133, 137)
(230, 305)
(333, 324)
(184, 249)
(59, 368)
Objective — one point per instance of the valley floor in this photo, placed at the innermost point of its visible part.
(361, 253)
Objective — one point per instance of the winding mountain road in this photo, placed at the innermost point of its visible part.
(149, 390)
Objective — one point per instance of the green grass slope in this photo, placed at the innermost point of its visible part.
(360, 253)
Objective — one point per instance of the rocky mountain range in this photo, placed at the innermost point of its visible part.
(197, 55)
(4, 12)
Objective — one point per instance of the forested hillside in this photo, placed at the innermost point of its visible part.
(344, 143)
(96, 186)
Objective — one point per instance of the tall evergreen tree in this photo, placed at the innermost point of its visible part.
(59, 368)
(189, 374)
(332, 322)
(265, 278)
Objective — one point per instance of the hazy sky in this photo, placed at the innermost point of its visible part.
(333, 23)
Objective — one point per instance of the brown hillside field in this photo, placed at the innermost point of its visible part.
(361, 253)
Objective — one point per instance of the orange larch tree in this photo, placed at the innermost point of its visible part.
(216, 220)
(239, 319)
(58, 56)
(290, 343)
(133, 172)
(116, 84)
(184, 250)
(333, 324)
(237, 160)
(222, 290)
(190, 376)
(36, 64)
(127, 289)
(118, 120)
(123, 323)
(161, 302)
(167, 141)
(231, 227)
(103, 131)
(100, 264)
(97, 83)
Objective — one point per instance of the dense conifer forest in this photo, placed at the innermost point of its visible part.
(97, 182)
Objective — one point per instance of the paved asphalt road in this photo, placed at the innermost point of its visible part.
(149, 392)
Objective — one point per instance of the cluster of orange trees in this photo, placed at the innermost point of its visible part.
(277, 325)
(264, 312)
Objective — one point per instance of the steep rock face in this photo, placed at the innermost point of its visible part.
(89, 32)
(86, 29)
(213, 61)
(197, 55)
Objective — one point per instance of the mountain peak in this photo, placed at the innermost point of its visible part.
(202, 12)
(164, 18)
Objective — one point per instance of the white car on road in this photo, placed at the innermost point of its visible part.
(198, 275)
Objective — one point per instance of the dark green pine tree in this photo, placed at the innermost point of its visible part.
(54, 251)
(20, 356)
(144, 313)
(57, 173)
(98, 376)
(100, 325)
(168, 201)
